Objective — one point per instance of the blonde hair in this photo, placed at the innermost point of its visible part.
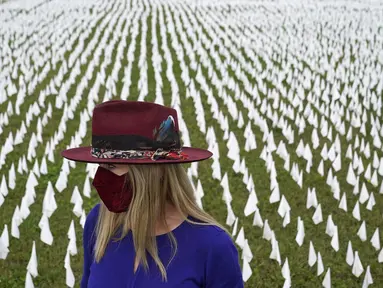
(153, 185)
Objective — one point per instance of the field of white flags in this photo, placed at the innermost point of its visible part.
(287, 95)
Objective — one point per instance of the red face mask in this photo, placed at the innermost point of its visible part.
(112, 190)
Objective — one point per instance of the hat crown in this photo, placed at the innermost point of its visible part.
(126, 125)
(122, 117)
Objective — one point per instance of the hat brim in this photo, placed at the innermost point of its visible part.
(83, 154)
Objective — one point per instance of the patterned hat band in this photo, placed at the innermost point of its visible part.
(140, 154)
(165, 144)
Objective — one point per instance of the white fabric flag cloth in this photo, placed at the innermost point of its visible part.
(301, 232)
(62, 181)
(350, 254)
(343, 202)
(77, 200)
(318, 217)
(1, 199)
(362, 232)
(16, 221)
(312, 255)
(257, 221)
(287, 283)
(28, 281)
(45, 234)
(367, 281)
(246, 252)
(246, 271)
(286, 270)
(72, 248)
(266, 231)
(327, 279)
(83, 219)
(330, 227)
(86, 189)
(320, 266)
(251, 205)
(275, 254)
(5, 236)
(356, 211)
(283, 207)
(335, 239)
(49, 202)
(4, 243)
(375, 240)
(312, 200)
(286, 274)
(32, 265)
(235, 228)
(357, 268)
(241, 238)
(3, 188)
(3, 250)
(371, 202)
(69, 279)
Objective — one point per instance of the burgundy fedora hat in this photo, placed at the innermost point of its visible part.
(135, 132)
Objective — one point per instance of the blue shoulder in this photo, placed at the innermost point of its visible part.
(212, 235)
(219, 238)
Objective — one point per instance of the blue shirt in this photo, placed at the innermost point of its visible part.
(206, 257)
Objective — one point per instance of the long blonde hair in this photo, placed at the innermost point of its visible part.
(153, 185)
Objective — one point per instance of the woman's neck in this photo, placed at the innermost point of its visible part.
(173, 219)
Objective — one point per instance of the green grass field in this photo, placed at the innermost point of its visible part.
(238, 52)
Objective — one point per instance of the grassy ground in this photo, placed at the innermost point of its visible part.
(266, 272)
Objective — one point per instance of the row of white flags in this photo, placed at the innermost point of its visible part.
(324, 109)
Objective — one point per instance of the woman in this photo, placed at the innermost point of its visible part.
(148, 216)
